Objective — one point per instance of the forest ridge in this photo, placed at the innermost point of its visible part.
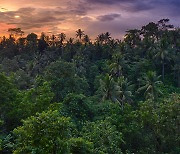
(83, 96)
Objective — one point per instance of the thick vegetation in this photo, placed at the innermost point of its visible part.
(107, 96)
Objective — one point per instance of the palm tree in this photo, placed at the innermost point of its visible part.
(70, 41)
(162, 54)
(86, 39)
(43, 43)
(176, 67)
(107, 37)
(113, 43)
(124, 91)
(100, 38)
(53, 40)
(62, 37)
(108, 88)
(147, 48)
(70, 48)
(150, 83)
(116, 68)
(79, 33)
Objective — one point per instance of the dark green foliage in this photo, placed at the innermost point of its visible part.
(81, 146)
(149, 85)
(7, 91)
(97, 97)
(34, 100)
(104, 135)
(63, 79)
(158, 119)
(8, 97)
(78, 107)
(48, 132)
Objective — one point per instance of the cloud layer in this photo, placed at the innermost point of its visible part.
(94, 16)
(108, 17)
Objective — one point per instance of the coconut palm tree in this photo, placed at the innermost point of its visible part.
(107, 37)
(124, 91)
(53, 40)
(149, 85)
(116, 68)
(100, 38)
(70, 48)
(70, 41)
(79, 34)
(162, 54)
(86, 39)
(113, 43)
(108, 88)
(176, 67)
(62, 37)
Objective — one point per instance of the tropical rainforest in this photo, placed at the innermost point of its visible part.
(83, 96)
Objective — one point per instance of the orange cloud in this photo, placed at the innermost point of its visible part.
(4, 27)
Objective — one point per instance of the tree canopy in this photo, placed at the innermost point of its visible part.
(62, 95)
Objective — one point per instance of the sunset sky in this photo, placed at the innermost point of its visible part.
(93, 16)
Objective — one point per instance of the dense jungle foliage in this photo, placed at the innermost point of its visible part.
(79, 96)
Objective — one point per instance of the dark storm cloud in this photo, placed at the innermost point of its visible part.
(108, 17)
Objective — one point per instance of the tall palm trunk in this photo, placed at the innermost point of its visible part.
(163, 70)
(178, 77)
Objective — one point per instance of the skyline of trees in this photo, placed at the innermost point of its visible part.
(76, 95)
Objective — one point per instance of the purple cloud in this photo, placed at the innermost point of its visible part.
(108, 17)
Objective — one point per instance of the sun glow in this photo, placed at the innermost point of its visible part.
(16, 16)
(3, 9)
